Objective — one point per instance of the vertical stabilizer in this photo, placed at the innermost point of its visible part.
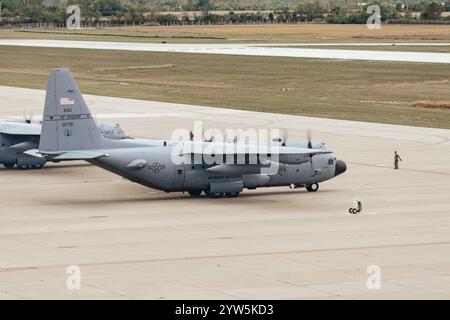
(67, 123)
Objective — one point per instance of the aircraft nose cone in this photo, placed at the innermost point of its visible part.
(341, 167)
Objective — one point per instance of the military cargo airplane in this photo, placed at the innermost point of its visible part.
(69, 132)
(18, 137)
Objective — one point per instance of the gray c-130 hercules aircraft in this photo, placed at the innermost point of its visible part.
(69, 132)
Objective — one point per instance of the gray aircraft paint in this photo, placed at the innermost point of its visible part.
(70, 132)
(17, 137)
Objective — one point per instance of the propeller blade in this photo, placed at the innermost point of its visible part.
(311, 165)
(308, 135)
(191, 136)
(28, 116)
(284, 137)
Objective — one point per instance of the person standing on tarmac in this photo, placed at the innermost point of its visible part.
(396, 159)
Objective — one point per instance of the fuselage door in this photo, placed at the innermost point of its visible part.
(179, 177)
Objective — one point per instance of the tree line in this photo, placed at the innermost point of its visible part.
(144, 13)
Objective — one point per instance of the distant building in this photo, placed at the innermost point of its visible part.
(49, 3)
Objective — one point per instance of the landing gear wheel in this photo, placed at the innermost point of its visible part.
(23, 167)
(195, 193)
(312, 187)
(9, 165)
(215, 195)
(37, 166)
(232, 194)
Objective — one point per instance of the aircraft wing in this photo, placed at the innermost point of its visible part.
(19, 129)
(286, 155)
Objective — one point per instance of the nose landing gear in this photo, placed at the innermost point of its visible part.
(312, 187)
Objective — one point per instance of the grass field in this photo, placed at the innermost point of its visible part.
(357, 90)
(244, 33)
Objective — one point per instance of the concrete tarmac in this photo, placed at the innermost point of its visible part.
(132, 242)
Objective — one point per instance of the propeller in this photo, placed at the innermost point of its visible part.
(284, 137)
(311, 164)
(28, 116)
(308, 136)
(211, 138)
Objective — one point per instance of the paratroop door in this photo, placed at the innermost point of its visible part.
(179, 177)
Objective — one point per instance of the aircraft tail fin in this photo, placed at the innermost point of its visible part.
(67, 123)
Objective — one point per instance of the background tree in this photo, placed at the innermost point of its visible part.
(205, 5)
(310, 11)
(107, 7)
(432, 11)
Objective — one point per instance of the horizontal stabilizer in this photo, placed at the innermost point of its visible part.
(78, 155)
(34, 153)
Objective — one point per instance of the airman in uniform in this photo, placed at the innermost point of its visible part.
(396, 160)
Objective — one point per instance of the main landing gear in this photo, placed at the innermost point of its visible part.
(218, 195)
(214, 195)
(195, 193)
(232, 194)
(33, 166)
(9, 165)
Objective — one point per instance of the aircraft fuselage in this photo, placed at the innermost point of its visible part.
(153, 167)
